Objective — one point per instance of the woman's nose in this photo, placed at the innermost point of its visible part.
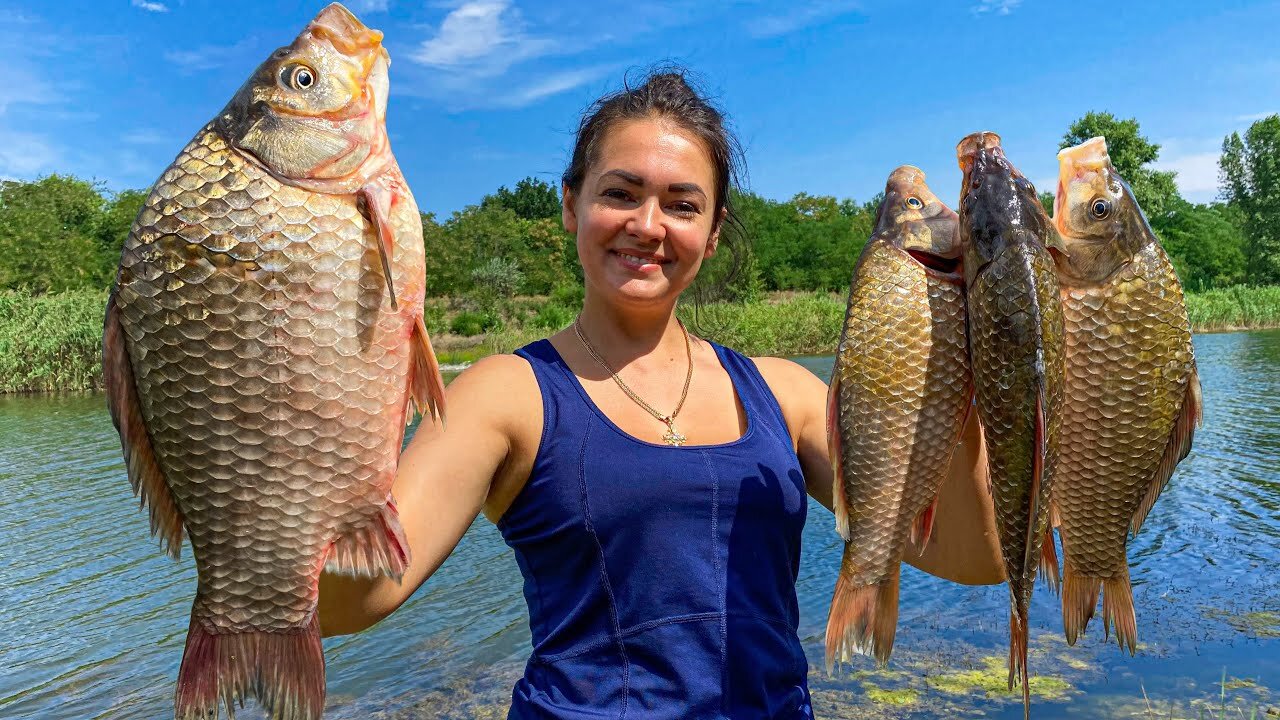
(646, 222)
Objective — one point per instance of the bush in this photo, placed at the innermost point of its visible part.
(474, 323)
(554, 316)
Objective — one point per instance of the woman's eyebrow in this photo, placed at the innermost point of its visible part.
(633, 179)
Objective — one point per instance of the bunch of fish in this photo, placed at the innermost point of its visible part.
(263, 346)
(1068, 337)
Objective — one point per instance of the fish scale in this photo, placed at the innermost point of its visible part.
(261, 349)
(1133, 396)
(265, 374)
(899, 394)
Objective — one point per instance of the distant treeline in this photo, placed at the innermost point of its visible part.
(60, 233)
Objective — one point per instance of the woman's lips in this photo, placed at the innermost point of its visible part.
(638, 263)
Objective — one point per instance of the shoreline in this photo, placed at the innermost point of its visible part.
(52, 344)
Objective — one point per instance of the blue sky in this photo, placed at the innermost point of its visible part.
(827, 97)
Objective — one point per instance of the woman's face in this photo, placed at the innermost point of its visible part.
(644, 216)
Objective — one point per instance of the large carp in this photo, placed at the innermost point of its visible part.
(900, 391)
(1133, 395)
(262, 342)
(1015, 345)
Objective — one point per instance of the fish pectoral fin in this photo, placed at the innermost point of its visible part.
(922, 526)
(376, 548)
(139, 456)
(1049, 571)
(1184, 428)
(426, 384)
(839, 501)
(376, 201)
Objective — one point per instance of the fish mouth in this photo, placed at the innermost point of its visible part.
(946, 267)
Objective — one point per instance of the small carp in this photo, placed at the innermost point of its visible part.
(900, 392)
(1132, 391)
(262, 343)
(1016, 351)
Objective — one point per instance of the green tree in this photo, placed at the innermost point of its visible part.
(1250, 173)
(1206, 246)
(1131, 154)
(1046, 202)
(533, 199)
(49, 238)
(116, 220)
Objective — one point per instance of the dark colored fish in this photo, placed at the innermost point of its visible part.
(900, 391)
(1132, 391)
(1016, 351)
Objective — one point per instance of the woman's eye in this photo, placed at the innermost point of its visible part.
(685, 208)
(616, 194)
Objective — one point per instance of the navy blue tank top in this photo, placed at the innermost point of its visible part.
(661, 581)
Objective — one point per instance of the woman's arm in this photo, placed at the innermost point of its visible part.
(444, 479)
(964, 547)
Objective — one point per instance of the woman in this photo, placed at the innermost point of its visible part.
(651, 483)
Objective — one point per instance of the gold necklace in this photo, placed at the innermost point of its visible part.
(671, 436)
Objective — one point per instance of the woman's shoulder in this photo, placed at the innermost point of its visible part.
(502, 384)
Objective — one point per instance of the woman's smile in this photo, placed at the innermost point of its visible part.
(639, 262)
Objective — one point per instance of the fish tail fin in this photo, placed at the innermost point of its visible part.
(839, 502)
(377, 547)
(1049, 563)
(283, 670)
(139, 456)
(863, 619)
(1079, 598)
(1184, 428)
(922, 526)
(1117, 609)
(426, 384)
(1018, 635)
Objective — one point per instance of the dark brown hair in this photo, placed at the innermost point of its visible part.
(668, 93)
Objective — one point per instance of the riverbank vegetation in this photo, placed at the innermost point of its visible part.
(503, 271)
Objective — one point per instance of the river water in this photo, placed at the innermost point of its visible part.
(93, 617)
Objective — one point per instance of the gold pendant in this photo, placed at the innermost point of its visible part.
(673, 436)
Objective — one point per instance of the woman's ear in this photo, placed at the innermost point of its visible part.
(567, 215)
(714, 241)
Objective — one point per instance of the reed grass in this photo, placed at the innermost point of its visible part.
(52, 343)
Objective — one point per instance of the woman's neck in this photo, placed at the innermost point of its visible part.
(622, 335)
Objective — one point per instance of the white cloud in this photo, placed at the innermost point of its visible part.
(369, 6)
(798, 17)
(481, 38)
(154, 7)
(206, 57)
(999, 7)
(145, 136)
(24, 154)
(552, 84)
(1197, 173)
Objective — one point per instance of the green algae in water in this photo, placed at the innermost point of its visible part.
(884, 696)
(993, 679)
(1262, 624)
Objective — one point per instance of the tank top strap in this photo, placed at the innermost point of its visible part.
(556, 385)
(757, 399)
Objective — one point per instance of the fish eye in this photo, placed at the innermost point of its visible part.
(298, 77)
(914, 203)
(1099, 208)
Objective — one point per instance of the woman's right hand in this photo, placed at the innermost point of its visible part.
(445, 478)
